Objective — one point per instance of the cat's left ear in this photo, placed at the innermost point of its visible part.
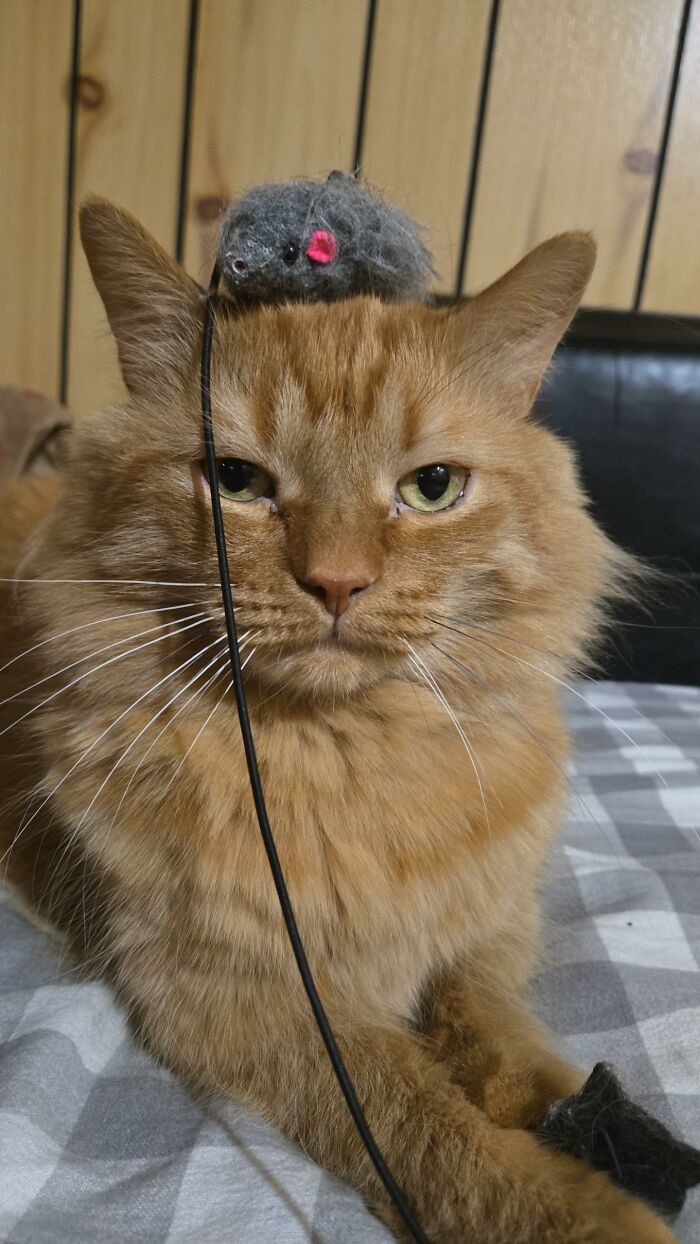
(154, 308)
(512, 328)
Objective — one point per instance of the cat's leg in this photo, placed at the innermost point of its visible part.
(495, 1048)
(466, 1178)
(477, 1018)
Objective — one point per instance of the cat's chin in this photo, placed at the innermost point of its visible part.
(325, 671)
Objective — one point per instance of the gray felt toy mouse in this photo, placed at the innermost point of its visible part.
(602, 1126)
(313, 240)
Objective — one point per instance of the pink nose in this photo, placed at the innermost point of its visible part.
(336, 592)
(322, 247)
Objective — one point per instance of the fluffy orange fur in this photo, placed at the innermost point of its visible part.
(412, 751)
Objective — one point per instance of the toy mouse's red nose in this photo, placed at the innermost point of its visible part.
(322, 247)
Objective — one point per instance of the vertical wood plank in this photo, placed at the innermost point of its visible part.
(128, 144)
(35, 70)
(421, 113)
(673, 275)
(575, 117)
(276, 96)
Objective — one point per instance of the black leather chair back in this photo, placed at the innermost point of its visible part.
(633, 415)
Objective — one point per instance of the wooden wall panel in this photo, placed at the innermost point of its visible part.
(276, 96)
(575, 116)
(673, 275)
(35, 70)
(575, 110)
(423, 98)
(128, 147)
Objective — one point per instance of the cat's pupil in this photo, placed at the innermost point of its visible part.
(235, 475)
(433, 481)
(290, 254)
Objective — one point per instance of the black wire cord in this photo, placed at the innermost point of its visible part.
(346, 1085)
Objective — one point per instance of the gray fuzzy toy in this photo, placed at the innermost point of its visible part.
(601, 1125)
(311, 241)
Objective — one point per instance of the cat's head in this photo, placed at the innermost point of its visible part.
(383, 485)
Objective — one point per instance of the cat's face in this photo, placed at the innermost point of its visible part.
(379, 477)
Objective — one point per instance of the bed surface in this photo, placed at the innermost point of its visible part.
(98, 1144)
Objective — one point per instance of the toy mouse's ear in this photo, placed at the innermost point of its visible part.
(154, 308)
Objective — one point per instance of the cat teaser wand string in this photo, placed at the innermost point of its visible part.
(346, 1085)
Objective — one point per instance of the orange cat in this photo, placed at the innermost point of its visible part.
(401, 538)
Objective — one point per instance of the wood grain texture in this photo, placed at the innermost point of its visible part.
(276, 96)
(128, 145)
(423, 98)
(575, 116)
(673, 275)
(35, 69)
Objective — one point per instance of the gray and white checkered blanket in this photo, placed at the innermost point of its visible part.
(98, 1144)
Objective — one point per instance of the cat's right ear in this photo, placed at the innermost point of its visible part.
(154, 308)
(512, 328)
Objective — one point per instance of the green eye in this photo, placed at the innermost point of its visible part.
(434, 487)
(243, 481)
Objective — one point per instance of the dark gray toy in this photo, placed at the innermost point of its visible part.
(603, 1127)
(319, 241)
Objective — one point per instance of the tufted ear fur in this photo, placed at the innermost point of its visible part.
(154, 308)
(513, 327)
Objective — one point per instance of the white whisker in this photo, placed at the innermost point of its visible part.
(426, 676)
(103, 664)
(183, 708)
(195, 694)
(546, 652)
(490, 630)
(590, 815)
(105, 732)
(203, 727)
(513, 712)
(135, 582)
(200, 613)
(73, 630)
(140, 734)
(217, 674)
(574, 691)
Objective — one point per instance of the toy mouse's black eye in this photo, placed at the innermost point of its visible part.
(290, 254)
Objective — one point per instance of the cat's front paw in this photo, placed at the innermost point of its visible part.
(637, 1226)
(604, 1215)
(570, 1203)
